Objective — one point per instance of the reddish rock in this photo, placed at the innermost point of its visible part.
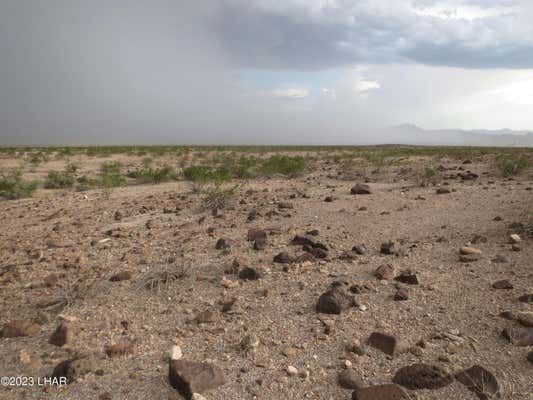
(61, 335)
(386, 343)
(385, 272)
(256, 234)
(19, 328)
(119, 349)
(380, 392)
(190, 377)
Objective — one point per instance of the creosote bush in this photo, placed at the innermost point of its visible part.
(13, 187)
(59, 180)
(512, 164)
(153, 175)
(218, 197)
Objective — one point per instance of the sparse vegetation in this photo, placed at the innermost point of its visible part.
(153, 175)
(110, 175)
(160, 277)
(512, 164)
(218, 197)
(426, 175)
(284, 165)
(12, 186)
(59, 180)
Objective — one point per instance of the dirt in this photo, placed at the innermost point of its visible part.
(61, 249)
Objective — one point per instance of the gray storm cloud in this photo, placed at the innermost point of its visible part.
(165, 71)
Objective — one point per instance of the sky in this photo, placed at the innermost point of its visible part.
(260, 71)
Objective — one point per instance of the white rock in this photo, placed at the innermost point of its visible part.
(292, 371)
(515, 238)
(175, 353)
(197, 396)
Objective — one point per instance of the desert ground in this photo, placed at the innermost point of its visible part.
(297, 273)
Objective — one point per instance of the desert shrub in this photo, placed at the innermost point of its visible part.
(84, 183)
(38, 157)
(153, 175)
(110, 175)
(147, 162)
(12, 186)
(113, 167)
(71, 168)
(285, 165)
(218, 197)
(201, 173)
(512, 164)
(59, 180)
(427, 175)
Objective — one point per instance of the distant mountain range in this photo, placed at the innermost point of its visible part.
(412, 134)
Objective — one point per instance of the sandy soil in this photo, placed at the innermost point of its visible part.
(454, 310)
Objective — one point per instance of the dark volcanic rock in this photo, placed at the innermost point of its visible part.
(503, 284)
(335, 300)
(283, 258)
(221, 244)
(401, 294)
(408, 277)
(316, 252)
(359, 249)
(388, 344)
(387, 248)
(250, 274)
(443, 190)
(422, 376)
(526, 298)
(480, 381)
(300, 240)
(60, 336)
(381, 392)
(74, 368)
(530, 357)
(360, 188)
(190, 377)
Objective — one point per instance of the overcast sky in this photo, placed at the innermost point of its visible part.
(260, 71)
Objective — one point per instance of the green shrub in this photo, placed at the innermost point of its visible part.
(153, 175)
(12, 186)
(200, 173)
(512, 164)
(84, 183)
(114, 167)
(285, 165)
(59, 180)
